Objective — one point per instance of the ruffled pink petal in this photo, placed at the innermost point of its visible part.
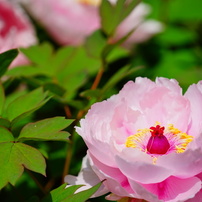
(115, 181)
(196, 198)
(143, 193)
(138, 166)
(174, 189)
(194, 95)
(183, 165)
(171, 84)
(102, 152)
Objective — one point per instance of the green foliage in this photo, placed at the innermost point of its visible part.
(47, 129)
(2, 98)
(61, 68)
(25, 103)
(16, 156)
(113, 14)
(83, 195)
(6, 59)
(68, 194)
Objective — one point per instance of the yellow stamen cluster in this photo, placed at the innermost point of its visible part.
(184, 138)
(180, 139)
(90, 2)
(132, 140)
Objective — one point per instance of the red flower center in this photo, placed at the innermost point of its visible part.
(158, 143)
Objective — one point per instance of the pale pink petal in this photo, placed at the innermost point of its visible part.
(175, 189)
(194, 95)
(143, 32)
(184, 165)
(140, 169)
(171, 84)
(196, 198)
(115, 181)
(143, 193)
(68, 22)
(135, 21)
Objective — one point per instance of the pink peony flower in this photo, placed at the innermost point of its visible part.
(68, 21)
(71, 21)
(146, 142)
(15, 30)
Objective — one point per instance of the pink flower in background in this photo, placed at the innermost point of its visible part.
(143, 29)
(15, 30)
(145, 142)
(69, 22)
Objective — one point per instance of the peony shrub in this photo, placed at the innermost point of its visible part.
(145, 143)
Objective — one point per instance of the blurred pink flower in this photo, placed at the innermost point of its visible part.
(71, 21)
(68, 21)
(143, 29)
(146, 142)
(15, 30)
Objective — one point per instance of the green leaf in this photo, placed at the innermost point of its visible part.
(83, 195)
(5, 135)
(26, 71)
(74, 73)
(6, 59)
(6, 165)
(91, 93)
(47, 129)
(113, 14)
(2, 99)
(5, 123)
(95, 44)
(61, 193)
(106, 11)
(39, 54)
(30, 158)
(67, 195)
(17, 121)
(54, 88)
(25, 103)
(16, 156)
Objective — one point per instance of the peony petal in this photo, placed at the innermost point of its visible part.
(142, 30)
(185, 164)
(196, 198)
(138, 166)
(194, 95)
(174, 189)
(143, 193)
(70, 22)
(171, 84)
(115, 181)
